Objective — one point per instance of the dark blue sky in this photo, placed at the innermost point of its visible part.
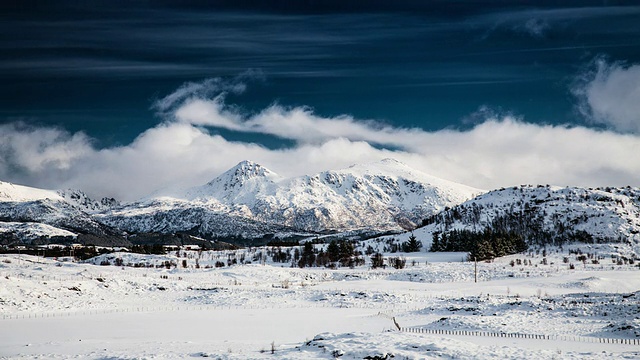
(99, 66)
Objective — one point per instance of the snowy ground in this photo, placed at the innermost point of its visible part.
(61, 309)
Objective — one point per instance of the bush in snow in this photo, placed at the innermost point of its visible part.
(377, 261)
(397, 262)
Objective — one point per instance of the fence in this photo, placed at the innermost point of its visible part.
(381, 313)
(586, 339)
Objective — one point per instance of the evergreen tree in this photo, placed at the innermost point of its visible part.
(333, 251)
(346, 252)
(322, 259)
(435, 244)
(308, 256)
(397, 262)
(412, 245)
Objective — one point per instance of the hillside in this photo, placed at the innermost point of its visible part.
(541, 215)
(28, 214)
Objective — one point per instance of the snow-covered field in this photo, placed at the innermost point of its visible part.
(61, 309)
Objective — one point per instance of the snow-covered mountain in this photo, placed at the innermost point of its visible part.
(546, 215)
(250, 200)
(27, 213)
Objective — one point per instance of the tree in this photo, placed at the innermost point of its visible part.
(397, 262)
(333, 251)
(346, 252)
(308, 256)
(482, 251)
(322, 259)
(435, 244)
(412, 245)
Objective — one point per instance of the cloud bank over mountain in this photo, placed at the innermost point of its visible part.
(185, 149)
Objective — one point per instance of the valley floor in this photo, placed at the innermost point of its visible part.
(61, 310)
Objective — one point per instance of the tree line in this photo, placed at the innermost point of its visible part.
(481, 245)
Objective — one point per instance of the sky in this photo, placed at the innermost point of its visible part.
(123, 98)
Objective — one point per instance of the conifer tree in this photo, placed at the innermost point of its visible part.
(333, 251)
(412, 245)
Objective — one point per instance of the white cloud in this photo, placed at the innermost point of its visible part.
(27, 152)
(537, 22)
(609, 94)
(299, 123)
(206, 89)
(209, 113)
(498, 152)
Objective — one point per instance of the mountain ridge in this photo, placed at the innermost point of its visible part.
(385, 195)
(249, 201)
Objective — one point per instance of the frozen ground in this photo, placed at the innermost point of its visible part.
(61, 309)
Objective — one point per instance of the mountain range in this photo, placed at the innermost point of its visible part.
(250, 203)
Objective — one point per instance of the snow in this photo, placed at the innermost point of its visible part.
(382, 196)
(608, 214)
(32, 231)
(16, 193)
(61, 309)
(569, 302)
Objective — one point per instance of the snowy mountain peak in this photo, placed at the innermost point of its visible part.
(27, 213)
(243, 172)
(386, 162)
(545, 215)
(388, 167)
(393, 169)
(241, 180)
